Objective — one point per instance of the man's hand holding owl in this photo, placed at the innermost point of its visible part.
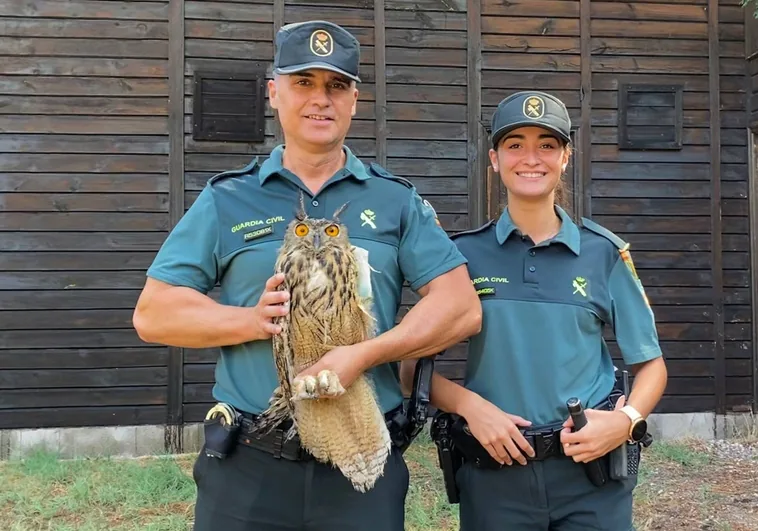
(272, 303)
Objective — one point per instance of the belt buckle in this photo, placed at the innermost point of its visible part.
(540, 452)
(544, 443)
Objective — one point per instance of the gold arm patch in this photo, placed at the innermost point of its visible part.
(627, 258)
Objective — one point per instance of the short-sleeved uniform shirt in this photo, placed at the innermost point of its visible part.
(544, 308)
(232, 234)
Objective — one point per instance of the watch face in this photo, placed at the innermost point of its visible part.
(639, 430)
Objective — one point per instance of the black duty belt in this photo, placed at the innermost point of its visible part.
(273, 442)
(545, 440)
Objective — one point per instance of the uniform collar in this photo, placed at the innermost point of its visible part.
(567, 235)
(273, 166)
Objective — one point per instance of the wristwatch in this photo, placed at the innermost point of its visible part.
(638, 429)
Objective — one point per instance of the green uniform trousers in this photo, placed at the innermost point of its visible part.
(251, 490)
(549, 495)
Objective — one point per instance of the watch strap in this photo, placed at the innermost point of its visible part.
(632, 413)
(635, 416)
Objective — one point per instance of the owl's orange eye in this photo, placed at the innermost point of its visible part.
(332, 230)
(301, 230)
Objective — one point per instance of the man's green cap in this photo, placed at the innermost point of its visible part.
(530, 108)
(316, 44)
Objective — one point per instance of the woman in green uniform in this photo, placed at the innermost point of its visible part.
(548, 287)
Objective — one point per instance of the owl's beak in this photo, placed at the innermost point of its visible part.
(317, 240)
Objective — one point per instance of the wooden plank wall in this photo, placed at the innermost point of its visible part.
(427, 89)
(218, 35)
(83, 190)
(85, 116)
(690, 249)
(735, 227)
(751, 55)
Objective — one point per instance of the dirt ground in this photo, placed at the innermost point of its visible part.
(697, 485)
(688, 485)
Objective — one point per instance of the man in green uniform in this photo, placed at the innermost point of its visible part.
(231, 236)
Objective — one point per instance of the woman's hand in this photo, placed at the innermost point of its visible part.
(605, 431)
(496, 430)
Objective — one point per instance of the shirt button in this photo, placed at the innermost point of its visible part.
(532, 269)
(315, 203)
(532, 253)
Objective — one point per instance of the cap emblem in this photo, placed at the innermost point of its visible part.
(534, 107)
(321, 43)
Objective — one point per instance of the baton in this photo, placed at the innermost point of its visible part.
(593, 469)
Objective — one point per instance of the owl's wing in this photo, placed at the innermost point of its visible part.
(284, 358)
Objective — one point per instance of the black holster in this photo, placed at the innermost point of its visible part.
(221, 428)
(624, 461)
(450, 458)
(405, 426)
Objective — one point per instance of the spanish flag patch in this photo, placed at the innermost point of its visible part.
(627, 258)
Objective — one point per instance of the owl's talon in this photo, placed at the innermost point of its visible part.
(329, 384)
(310, 385)
(323, 381)
(304, 388)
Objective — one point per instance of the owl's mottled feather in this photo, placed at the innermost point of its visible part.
(321, 274)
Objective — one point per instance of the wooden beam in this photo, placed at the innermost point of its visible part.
(584, 198)
(380, 87)
(278, 23)
(752, 195)
(577, 176)
(753, 234)
(476, 146)
(173, 430)
(716, 222)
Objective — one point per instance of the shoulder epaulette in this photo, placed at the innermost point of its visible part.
(381, 172)
(473, 231)
(602, 231)
(231, 173)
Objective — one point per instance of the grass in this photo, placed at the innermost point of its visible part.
(679, 453)
(157, 494)
(427, 506)
(44, 492)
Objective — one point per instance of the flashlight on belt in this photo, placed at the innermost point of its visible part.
(594, 469)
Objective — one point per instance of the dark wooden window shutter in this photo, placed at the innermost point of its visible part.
(229, 106)
(650, 116)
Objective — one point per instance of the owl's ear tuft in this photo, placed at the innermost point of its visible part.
(300, 213)
(339, 211)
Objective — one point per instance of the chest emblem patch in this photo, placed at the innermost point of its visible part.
(580, 286)
(368, 217)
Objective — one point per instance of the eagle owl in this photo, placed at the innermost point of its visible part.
(347, 428)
